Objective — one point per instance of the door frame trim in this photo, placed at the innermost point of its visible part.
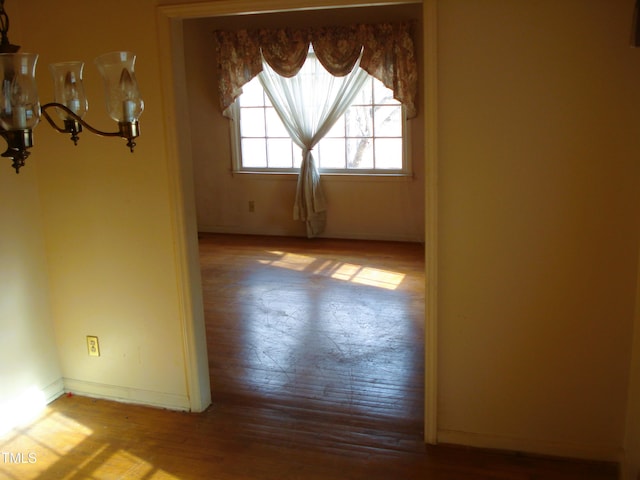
(169, 21)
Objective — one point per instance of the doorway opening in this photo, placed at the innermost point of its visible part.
(171, 20)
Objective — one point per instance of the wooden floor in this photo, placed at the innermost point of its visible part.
(316, 362)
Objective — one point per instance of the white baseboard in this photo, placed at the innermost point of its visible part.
(245, 230)
(127, 395)
(382, 237)
(53, 390)
(594, 452)
(385, 237)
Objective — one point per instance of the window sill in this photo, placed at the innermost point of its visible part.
(330, 176)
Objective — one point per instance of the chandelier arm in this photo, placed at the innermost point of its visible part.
(78, 119)
(51, 121)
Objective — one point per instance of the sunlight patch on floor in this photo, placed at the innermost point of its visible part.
(56, 446)
(291, 261)
(348, 272)
(375, 277)
(123, 464)
(32, 449)
(69, 433)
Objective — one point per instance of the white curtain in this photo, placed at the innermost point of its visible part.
(309, 103)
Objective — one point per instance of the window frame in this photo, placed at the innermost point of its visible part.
(236, 153)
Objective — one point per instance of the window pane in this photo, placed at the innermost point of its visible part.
(252, 122)
(279, 152)
(382, 94)
(337, 130)
(367, 137)
(331, 153)
(275, 127)
(389, 153)
(360, 153)
(358, 120)
(254, 153)
(364, 97)
(252, 94)
(387, 121)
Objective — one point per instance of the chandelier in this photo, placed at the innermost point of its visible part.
(20, 108)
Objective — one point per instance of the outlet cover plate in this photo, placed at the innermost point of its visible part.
(93, 347)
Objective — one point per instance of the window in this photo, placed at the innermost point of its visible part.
(367, 139)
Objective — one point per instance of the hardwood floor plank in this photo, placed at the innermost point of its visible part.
(316, 363)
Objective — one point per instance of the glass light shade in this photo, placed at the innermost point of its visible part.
(19, 103)
(68, 88)
(124, 103)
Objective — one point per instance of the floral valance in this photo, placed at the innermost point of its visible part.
(387, 50)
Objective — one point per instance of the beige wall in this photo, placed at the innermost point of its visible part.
(29, 366)
(359, 207)
(539, 182)
(107, 215)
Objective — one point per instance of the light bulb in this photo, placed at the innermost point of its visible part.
(68, 88)
(123, 100)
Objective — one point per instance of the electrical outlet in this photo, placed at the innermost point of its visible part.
(93, 346)
(252, 206)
